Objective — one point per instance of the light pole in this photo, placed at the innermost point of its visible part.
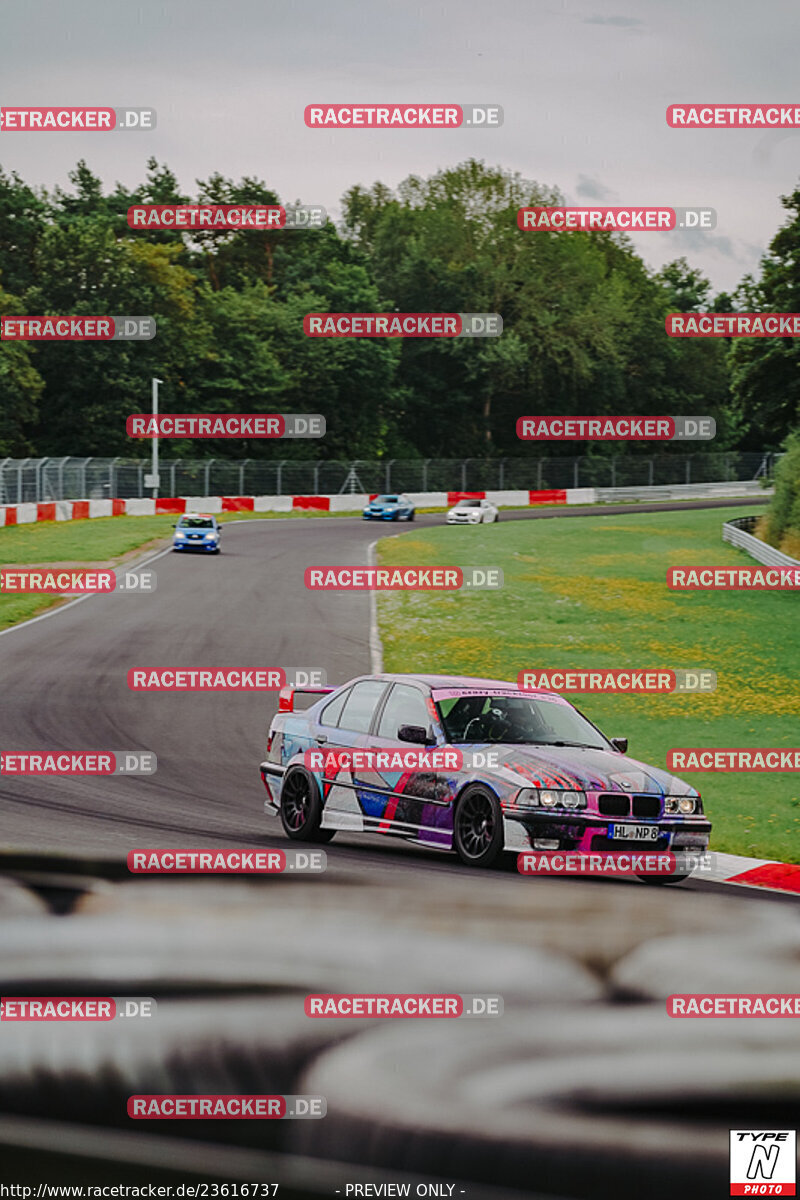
(154, 481)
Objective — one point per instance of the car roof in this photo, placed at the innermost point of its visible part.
(448, 681)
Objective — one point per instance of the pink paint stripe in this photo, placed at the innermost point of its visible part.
(784, 877)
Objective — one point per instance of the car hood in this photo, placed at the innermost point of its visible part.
(580, 768)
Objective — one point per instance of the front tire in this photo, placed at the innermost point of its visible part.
(478, 827)
(301, 807)
(411, 516)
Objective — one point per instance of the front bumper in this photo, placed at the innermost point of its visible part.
(589, 832)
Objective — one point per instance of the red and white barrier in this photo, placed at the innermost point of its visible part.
(76, 510)
(73, 510)
(754, 872)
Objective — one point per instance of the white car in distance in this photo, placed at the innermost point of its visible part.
(472, 512)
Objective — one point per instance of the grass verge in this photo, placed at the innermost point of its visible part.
(592, 593)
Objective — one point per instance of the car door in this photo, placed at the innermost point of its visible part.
(344, 724)
(410, 803)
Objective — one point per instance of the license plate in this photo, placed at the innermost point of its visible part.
(635, 833)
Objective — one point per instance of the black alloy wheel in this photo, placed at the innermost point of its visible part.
(301, 807)
(478, 827)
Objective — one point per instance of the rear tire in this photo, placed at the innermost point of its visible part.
(301, 807)
(478, 827)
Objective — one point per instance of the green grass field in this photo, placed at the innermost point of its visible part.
(591, 592)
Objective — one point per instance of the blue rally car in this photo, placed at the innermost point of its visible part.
(394, 507)
(197, 531)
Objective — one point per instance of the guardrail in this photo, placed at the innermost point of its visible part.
(682, 491)
(737, 532)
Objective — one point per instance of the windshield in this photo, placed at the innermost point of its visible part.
(516, 720)
(385, 500)
(468, 504)
(195, 523)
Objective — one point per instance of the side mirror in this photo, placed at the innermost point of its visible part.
(620, 744)
(174, 526)
(416, 734)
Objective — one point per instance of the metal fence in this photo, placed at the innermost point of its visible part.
(40, 479)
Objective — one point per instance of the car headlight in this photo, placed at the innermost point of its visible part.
(179, 533)
(549, 798)
(682, 804)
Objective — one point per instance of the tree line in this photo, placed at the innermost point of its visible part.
(583, 322)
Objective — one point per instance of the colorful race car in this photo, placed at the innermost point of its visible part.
(197, 531)
(390, 508)
(553, 780)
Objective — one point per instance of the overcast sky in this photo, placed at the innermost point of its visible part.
(584, 86)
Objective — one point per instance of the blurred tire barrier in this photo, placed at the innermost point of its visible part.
(85, 1071)
(596, 922)
(768, 961)
(591, 1102)
(295, 949)
(35, 1152)
(18, 901)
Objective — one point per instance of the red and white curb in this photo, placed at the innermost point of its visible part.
(77, 510)
(753, 872)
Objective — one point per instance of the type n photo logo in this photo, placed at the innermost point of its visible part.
(763, 1162)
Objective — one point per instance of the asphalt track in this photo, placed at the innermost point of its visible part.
(63, 687)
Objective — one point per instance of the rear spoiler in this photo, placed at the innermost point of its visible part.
(287, 694)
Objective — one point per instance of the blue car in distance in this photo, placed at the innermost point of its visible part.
(197, 531)
(394, 507)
